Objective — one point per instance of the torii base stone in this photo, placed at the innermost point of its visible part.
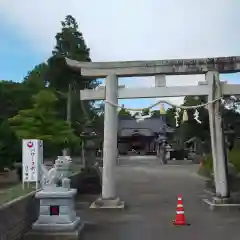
(114, 203)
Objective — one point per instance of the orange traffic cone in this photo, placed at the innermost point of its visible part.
(180, 216)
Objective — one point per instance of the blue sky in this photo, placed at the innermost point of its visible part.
(185, 33)
(17, 57)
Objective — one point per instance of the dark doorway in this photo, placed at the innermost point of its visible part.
(135, 144)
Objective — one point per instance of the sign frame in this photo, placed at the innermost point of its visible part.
(32, 158)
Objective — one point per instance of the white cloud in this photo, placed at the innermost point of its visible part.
(134, 29)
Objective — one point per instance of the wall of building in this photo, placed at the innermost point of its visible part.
(16, 217)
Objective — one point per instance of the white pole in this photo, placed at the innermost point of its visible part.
(110, 138)
(220, 144)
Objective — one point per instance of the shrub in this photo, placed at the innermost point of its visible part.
(206, 170)
(208, 163)
(10, 146)
(233, 156)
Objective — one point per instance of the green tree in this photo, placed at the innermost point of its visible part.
(156, 113)
(145, 112)
(124, 112)
(36, 79)
(42, 122)
(192, 128)
(13, 97)
(10, 146)
(71, 44)
(67, 83)
(170, 117)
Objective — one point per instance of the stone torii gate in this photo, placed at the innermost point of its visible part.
(211, 87)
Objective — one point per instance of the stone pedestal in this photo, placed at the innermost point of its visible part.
(57, 216)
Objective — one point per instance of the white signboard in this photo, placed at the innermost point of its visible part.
(32, 157)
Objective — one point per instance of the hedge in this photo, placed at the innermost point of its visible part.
(233, 157)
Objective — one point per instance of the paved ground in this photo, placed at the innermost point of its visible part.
(150, 191)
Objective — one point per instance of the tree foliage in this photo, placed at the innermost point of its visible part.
(155, 113)
(13, 97)
(10, 146)
(124, 113)
(145, 112)
(71, 44)
(170, 117)
(192, 128)
(36, 79)
(42, 122)
(66, 82)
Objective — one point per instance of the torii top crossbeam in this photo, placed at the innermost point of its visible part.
(152, 68)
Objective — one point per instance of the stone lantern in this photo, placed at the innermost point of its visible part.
(89, 146)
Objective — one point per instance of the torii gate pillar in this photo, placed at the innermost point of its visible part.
(217, 139)
(109, 198)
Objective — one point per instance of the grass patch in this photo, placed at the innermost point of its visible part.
(233, 170)
(234, 158)
(15, 191)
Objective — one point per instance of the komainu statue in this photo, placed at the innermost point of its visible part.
(59, 171)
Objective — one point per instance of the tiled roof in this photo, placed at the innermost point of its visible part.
(153, 124)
